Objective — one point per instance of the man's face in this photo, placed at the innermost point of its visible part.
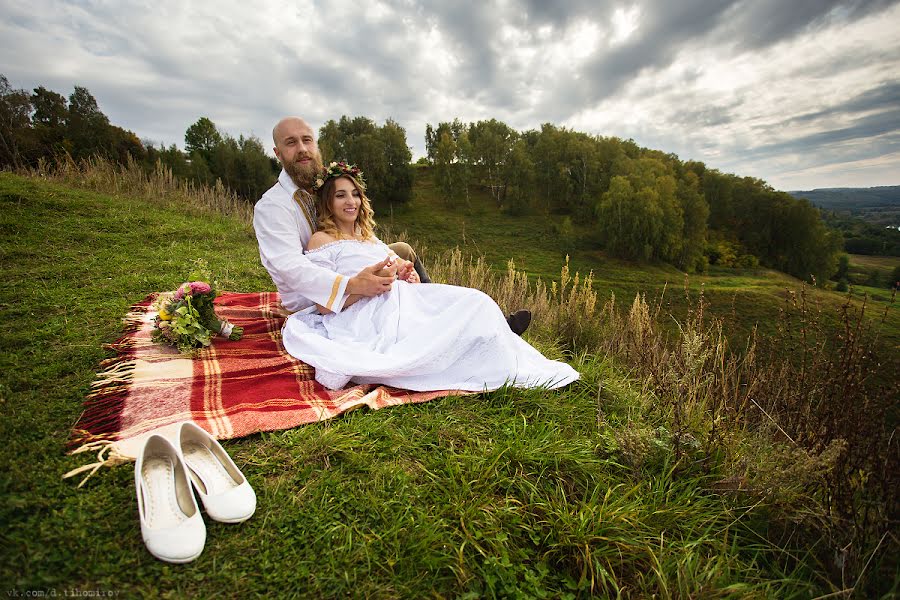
(295, 147)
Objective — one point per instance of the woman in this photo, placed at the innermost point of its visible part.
(417, 337)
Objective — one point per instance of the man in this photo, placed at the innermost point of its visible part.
(285, 218)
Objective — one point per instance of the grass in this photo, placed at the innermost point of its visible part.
(747, 299)
(516, 493)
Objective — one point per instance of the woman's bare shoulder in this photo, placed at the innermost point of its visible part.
(319, 238)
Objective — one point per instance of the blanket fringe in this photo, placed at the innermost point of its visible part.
(107, 456)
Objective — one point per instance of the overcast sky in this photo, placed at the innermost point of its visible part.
(801, 93)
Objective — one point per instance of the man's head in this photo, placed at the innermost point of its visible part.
(295, 147)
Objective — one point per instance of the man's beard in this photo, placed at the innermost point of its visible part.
(304, 175)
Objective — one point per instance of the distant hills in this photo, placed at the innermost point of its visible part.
(877, 205)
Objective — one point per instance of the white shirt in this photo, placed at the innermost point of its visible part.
(284, 220)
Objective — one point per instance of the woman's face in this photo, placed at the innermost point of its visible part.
(345, 202)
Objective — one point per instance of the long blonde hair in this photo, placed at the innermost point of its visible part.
(365, 220)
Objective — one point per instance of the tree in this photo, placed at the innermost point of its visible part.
(202, 137)
(450, 150)
(397, 186)
(50, 108)
(87, 128)
(443, 156)
(49, 119)
(639, 216)
(492, 142)
(695, 213)
(843, 268)
(518, 178)
(381, 152)
(15, 133)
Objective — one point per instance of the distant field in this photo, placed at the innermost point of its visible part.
(887, 263)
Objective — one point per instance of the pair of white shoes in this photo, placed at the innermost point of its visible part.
(164, 474)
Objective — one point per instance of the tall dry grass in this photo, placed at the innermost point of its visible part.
(159, 185)
(797, 421)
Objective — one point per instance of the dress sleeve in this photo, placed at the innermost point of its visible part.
(281, 252)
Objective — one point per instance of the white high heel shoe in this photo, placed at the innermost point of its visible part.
(225, 492)
(171, 525)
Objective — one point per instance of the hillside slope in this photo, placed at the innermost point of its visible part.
(745, 298)
(511, 493)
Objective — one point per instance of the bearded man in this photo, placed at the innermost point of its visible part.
(285, 218)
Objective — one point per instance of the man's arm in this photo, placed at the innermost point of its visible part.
(281, 252)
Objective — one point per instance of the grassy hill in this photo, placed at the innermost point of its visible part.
(745, 298)
(594, 490)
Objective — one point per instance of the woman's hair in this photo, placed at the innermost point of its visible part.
(365, 218)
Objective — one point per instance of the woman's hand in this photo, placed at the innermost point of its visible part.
(405, 271)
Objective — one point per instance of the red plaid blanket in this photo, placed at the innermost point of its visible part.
(231, 389)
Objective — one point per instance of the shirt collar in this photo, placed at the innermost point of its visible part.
(287, 183)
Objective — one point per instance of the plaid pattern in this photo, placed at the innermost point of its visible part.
(231, 389)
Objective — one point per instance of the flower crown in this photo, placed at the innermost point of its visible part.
(339, 169)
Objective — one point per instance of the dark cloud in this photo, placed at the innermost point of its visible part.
(536, 13)
(656, 44)
(866, 129)
(762, 23)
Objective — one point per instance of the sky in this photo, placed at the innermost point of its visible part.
(801, 93)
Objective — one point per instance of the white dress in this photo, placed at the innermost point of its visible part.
(418, 337)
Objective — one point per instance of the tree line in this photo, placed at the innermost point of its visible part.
(43, 124)
(635, 202)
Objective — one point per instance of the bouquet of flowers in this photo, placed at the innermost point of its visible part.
(187, 319)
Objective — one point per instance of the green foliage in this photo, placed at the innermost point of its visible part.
(640, 216)
(17, 144)
(863, 237)
(202, 137)
(381, 152)
(519, 174)
(843, 267)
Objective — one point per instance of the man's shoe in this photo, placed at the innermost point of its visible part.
(519, 321)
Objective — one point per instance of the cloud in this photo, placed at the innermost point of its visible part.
(760, 87)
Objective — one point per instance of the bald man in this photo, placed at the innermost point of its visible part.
(285, 218)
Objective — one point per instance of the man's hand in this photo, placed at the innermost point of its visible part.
(373, 280)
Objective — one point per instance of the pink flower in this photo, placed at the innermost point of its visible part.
(200, 287)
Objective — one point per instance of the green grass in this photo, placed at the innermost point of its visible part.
(509, 494)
